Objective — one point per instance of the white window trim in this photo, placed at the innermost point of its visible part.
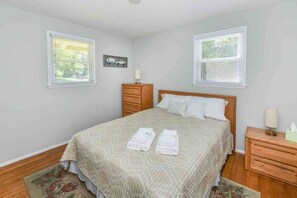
(196, 69)
(51, 83)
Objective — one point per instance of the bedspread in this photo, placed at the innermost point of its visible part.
(101, 154)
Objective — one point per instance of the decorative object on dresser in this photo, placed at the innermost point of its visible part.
(136, 97)
(271, 120)
(291, 134)
(273, 156)
(137, 76)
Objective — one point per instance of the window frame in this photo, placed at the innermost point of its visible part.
(51, 83)
(241, 58)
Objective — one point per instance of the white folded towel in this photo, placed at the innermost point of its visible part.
(168, 138)
(142, 135)
(169, 132)
(168, 143)
(142, 140)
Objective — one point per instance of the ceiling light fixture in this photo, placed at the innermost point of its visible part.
(135, 1)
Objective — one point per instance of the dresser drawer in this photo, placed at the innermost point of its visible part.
(132, 98)
(274, 152)
(131, 107)
(275, 169)
(132, 90)
(126, 113)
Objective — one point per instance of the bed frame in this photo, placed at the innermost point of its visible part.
(230, 111)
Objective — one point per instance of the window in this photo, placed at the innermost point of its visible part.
(220, 58)
(70, 60)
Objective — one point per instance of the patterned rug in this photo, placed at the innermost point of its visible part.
(228, 188)
(55, 182)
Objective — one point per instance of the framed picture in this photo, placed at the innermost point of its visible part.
(115, 61)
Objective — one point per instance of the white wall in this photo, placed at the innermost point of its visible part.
(33, 116)
(166, 59)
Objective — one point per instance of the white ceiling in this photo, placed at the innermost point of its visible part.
(134, 20)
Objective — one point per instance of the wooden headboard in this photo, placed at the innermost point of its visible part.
(230, 111)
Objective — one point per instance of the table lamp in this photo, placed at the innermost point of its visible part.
(271, 120)
(137, 76)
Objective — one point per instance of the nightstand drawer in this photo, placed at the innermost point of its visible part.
(132, 98)
(274, 152)
(271, 155)
(131, 107)
(132, 90)
(275, 169)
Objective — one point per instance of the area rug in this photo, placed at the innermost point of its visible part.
(228, 188)
(55, 182)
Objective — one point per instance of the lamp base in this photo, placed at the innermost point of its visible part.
(270, 132)
(137, 81)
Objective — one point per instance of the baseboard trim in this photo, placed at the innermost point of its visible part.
(32, 154)
(239, 151)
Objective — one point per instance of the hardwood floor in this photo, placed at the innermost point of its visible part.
(269, 188)
(13, 186)
(11, 176)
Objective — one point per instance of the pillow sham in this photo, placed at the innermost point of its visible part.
(166, 98)
(214, 107)
(195, 109)
(178, 108)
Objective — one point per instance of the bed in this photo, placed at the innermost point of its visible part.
(99, 155)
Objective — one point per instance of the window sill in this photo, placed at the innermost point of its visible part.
(65, 85)
(221, 85)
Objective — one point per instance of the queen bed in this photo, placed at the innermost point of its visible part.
(99, 155)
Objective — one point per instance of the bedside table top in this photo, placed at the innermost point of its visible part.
(259, 134)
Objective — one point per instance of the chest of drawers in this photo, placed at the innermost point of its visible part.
(271, 155)
(136, 97)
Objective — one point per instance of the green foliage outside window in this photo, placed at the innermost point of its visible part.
(71, 65)
(220, 48)
(71, 60)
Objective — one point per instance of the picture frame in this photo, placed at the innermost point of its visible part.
(115, 61)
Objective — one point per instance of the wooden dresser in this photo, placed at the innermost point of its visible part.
(271, 155)
(136, 97)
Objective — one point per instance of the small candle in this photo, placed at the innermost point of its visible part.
(137, 74)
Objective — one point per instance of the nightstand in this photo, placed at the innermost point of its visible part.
(136, 97)
(272, 156)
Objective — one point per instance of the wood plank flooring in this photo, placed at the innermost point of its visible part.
(11, 176)
(13, 186)
(269, 188)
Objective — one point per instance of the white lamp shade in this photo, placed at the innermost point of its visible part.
(271, 117)
(137, 74)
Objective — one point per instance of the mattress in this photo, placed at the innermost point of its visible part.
(100, 153)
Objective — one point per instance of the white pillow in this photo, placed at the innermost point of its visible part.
(195, 108)
(214, 108)
(166, 98)
(178, 108)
